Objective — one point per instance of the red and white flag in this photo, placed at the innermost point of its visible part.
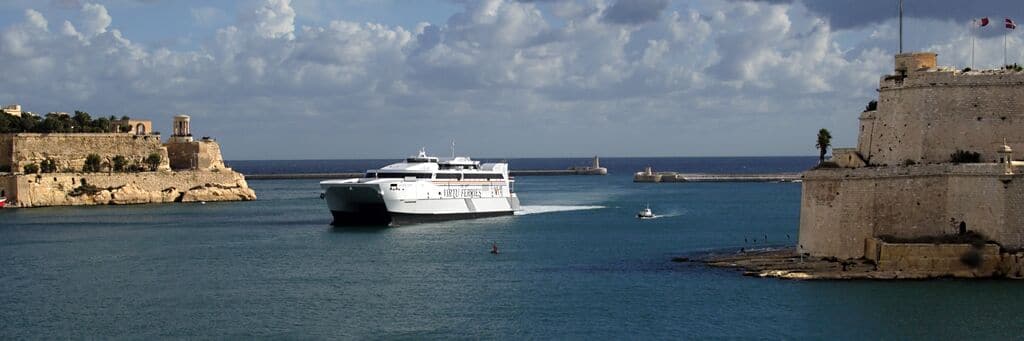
(982, 22)
(1010, 24)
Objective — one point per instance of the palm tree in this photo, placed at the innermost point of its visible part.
(824, 141)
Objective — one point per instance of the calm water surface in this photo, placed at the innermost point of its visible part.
(575, 265)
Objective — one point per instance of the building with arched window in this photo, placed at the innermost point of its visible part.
(132, 126)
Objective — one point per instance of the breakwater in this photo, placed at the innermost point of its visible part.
(714, 177)
(353, 175)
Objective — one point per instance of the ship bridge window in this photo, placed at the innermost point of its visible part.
(371, 175)
(487, 176)
(449, 176)
(403, 175)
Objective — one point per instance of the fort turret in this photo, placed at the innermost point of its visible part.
(925, 113)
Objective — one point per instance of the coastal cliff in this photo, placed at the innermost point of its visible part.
(74, 189)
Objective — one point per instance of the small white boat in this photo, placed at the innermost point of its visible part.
(645, 213)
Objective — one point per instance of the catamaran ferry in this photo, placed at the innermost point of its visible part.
(422, 188)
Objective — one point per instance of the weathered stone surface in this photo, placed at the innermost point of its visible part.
(840, 208)
(202, 155)
(927, 116)
(59, 189)
(70, 150)
(900, 181)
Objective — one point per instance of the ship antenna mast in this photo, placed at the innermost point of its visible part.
(453, 148)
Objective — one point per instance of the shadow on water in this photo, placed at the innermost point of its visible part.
(358, 229)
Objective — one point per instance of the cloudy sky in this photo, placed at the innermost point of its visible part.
(280, 79)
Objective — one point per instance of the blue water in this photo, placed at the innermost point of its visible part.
(577, 265)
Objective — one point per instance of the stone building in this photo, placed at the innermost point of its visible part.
(13, 109)
(901, 182)
(137, 127)
(186, 153)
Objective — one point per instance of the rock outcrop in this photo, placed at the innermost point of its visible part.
(73, 189)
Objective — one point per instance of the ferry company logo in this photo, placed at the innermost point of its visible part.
(462, 193)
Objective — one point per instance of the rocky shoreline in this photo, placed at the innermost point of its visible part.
(75, 189)
(785, 263)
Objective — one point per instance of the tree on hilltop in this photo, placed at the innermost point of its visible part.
(153, 161)
(824, 142)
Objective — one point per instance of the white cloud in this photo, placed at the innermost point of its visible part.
(504, 74)
(36, 20)
(95, 19)
(272, 19)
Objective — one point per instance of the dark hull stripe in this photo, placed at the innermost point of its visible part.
(377, 217)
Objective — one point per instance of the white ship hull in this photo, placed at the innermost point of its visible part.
(397, 202)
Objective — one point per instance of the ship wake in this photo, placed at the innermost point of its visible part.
(537, 209)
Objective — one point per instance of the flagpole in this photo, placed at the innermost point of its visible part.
(901, 26)
(974, 24)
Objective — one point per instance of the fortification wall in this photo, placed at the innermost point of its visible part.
(66, 189)
(70, 150)
(203, 155)
(840, 208)
(210, 157)
(9, 185)
(927, 116)
(6, 149)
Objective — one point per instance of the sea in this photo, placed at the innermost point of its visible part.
(573, 264)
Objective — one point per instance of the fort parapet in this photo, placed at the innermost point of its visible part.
(69, 150)
(902, 180)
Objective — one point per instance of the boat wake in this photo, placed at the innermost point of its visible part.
(666, 215)
(537, 209)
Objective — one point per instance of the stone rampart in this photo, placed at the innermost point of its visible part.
(6, 150)
(71, 189)
(70, 150)
(9, 185)
(926, 116)
(840, 208)
(203, 155)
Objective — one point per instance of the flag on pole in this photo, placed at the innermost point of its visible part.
(1010, 24)
(983, 22)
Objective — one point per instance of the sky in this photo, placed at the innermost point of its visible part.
(336, 79)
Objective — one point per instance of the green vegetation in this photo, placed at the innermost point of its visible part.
(963, 156)
(824, 141)
(93, 163)
(1014, 67)
(48, 166)
(80, 122)
(31, 168)
(120, 163)
(153, 161)
(85, 188)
